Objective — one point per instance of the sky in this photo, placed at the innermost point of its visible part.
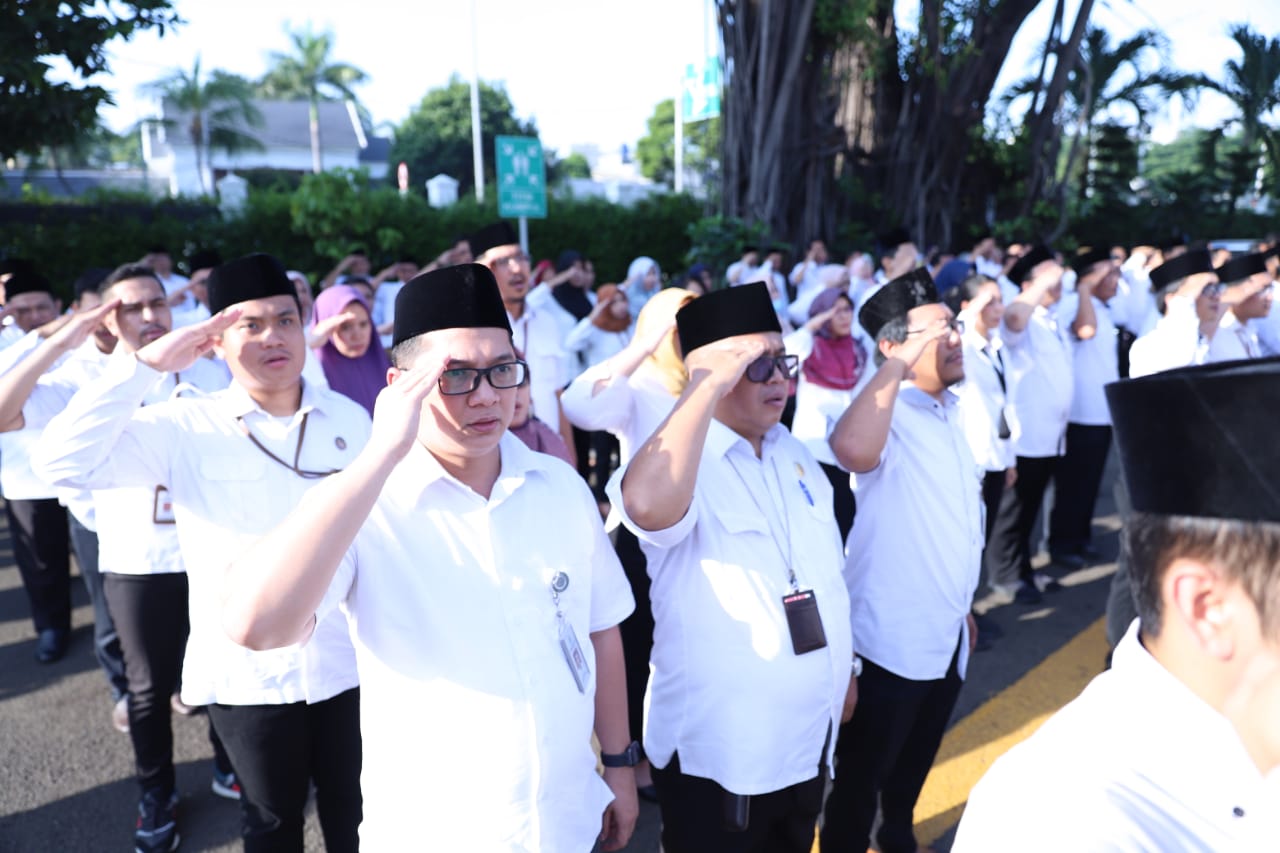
(588, 71)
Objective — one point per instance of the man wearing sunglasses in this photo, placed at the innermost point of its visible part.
(912, 565)
(235, 463)
(752, 661)
(483, 597)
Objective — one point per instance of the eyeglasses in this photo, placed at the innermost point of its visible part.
(1214, 289)
(464, 380)
(954, 324)
(761, 370)
(518, 259)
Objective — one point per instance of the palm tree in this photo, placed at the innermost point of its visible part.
(215, 107)
(308, 74)
(1252, 84)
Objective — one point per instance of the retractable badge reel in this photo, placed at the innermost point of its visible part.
(573, 655)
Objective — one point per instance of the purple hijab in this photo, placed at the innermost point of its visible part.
(359, 378)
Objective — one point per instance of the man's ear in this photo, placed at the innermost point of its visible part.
(217, 348)
(887, 348)
(1195, 596)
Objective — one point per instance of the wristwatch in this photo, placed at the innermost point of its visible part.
(857, 667)
(629, 757)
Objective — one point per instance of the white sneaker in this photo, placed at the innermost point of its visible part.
(120, 715)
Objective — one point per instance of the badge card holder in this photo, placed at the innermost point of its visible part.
(162, 509)
(573, 655)
(804, 621)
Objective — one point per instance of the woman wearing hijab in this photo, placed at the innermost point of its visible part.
(644, 280)
(606, 330)
(354, 362)
(629, 395)
(834, 364)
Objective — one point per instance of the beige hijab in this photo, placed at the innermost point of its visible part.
(665, 365)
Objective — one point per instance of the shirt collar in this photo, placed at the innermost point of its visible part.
(721, 439)
(237, 403)
(913, 396)
(518, 461)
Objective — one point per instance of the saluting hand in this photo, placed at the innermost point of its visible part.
(397, 413)
(321, 331)
(74, 329)
(723, 362)
(913, 347)
(180, 348)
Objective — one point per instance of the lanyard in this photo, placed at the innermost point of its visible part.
(297, 452)
(997, 364)
(787, 553)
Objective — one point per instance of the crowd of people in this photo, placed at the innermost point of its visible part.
(416, 538)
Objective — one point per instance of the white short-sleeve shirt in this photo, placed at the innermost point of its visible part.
(537, 334)
(726, 688)
(1095, 363)
(1040, 384)
(475, 732)
(226, 495)
(916, 544)
(1136, 763)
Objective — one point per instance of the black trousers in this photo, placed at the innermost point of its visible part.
(106, 643)
(693, 808)
(992, 492)
(886, 749)
(277, 752)
(42, 550)
(1007, 558)
(637, 629)
(846, 506)
(151, 615)
(1076, 487)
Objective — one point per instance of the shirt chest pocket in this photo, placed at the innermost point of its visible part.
(743, 524)
(238, 485)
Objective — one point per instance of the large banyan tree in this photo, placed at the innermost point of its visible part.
(830, 111)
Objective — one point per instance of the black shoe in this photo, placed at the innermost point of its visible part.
(1067, 560)
(157, 830)
(1091, 554)
(1027, 594)
(51, 645)
(987, 627)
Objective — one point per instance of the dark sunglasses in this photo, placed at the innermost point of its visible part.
(762, 368)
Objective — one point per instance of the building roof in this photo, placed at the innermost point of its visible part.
(287, 124)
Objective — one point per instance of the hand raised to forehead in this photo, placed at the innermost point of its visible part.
(179, 349)
(723, 362)
(397, 414)
(75, 329)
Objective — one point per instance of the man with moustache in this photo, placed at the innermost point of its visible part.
(483, 596)
(751, 662)
(235, 462)
(912, 565)
(143, 577)
(534, 332)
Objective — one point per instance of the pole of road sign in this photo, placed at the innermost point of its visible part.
(477, 151)
(679, 170)
(524, 234)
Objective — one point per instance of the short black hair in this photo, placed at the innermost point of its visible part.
(894, 330)
(125, 272)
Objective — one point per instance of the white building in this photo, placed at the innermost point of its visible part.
(284, 134)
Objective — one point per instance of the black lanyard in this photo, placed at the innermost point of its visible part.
(297, 452)
(997, 364)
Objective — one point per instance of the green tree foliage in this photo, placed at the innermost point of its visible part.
(436, 137)
(574, 166)
(656, 150)
(36, 111)
(310, 74)
(214, 108)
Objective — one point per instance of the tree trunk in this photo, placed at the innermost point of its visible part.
(317, 164)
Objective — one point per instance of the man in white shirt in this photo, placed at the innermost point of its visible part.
(142, 572)
(1189, 301)
(1248, 285)
(912, 565)
(483, 599)
(751, 653)
(176, 286)
(1040, 390)
(235, 463)
(187, 311)
(898, 255)
(737, 272)
(535, 333)
(1177, 746)
(1094, 365)
(804, 275)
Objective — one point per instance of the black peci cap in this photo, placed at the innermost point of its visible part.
(742, 310)
(896, 298)
(461, 297)
(1175, 270)
(256, 276)
(492, 236)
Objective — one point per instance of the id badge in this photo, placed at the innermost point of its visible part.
(573, 655)
(804, 621)
(162, 509)
(1002, 427)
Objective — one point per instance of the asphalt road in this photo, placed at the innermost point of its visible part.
(66, 776)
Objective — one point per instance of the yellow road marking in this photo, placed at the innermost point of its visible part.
(1003, 721)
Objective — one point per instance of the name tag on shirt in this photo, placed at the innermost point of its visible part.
(162, 511)
(804, 621)
(573, 655)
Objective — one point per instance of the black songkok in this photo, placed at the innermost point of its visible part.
(492, 236)
(205, 259)
(26, 281)
(742, 310)
(1087, 257)
(1021, 270)
(257, 276)
(1174, 271)
(1238, 269)
(461, 297)
(1200, 441)
(896, 298)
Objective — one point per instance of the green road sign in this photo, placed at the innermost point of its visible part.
(700, 94)
(522, 177)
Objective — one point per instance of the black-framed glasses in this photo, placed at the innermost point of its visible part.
(762, 368)
(955, 324)
(464, 380)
